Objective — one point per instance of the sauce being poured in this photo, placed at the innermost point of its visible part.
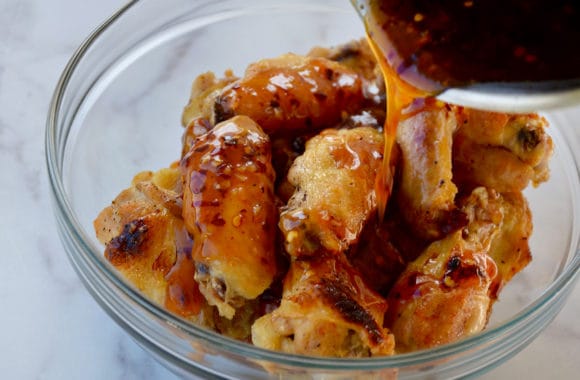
(399, 95)
(425, 47)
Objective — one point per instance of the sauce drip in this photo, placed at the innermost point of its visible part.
(399, 95)
(183, 296)
(424, 47)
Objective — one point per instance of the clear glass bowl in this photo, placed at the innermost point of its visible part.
(116, 111)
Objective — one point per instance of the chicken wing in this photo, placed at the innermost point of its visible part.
(292, 94)
(444, 294)
(501, 151)
(228, 207)
(146, 240)
(334, 197)
(326, 310)
(426, 193)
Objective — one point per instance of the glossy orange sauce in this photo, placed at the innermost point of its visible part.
(399, 95)
(183, 296)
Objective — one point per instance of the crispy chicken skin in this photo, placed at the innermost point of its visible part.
(291, 94)
(228, 207)
(147, 242)
(326, 310)
(501, 151)
(444, 294)
(334, 196)
(426, 193)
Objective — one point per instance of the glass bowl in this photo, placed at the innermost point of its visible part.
(116, 111)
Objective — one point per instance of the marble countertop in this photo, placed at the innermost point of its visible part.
(50, 327)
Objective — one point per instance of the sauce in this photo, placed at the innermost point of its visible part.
(424, 47)
(399, 95)
(438, 44)
(182, 295)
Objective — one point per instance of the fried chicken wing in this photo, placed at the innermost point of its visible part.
(334, 197)
(444, 294)
(292, 94)
(228, 207)
(326, 310)
(146, 240)
(426, 193)
(501, 151)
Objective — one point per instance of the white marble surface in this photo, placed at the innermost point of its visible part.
(50, 327)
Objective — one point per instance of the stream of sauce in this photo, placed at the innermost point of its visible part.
(425, 47)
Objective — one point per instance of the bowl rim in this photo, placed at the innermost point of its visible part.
(72, 227)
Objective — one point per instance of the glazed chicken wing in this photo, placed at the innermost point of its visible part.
(426, 193)
(334, 196)
(501, 151)
(147, 242)
(228, 207)
(326, 310)
(292, 94)
(444, 294)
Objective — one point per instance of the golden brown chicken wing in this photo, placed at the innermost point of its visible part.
(334, 197)
(228, 207)
(147, 242)
(444, 294)
(326, 310)
(501, 151)
(292, 94)
(426, 193)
